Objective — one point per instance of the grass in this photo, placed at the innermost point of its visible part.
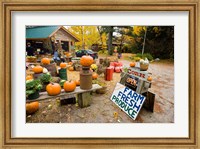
(128, 56)
(125, 56)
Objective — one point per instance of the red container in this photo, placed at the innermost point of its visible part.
(109, 73)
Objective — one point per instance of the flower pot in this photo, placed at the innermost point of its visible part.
(144, 67)
(102, 90)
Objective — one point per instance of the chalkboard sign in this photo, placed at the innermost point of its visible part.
(127, 100)
(132, 82)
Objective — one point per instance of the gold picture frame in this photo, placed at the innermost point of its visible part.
(192, 142)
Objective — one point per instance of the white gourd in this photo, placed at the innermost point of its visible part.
(45, 70)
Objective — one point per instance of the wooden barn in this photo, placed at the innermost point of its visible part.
(45, 39)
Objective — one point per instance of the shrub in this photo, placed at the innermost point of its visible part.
(103, 52)
(136, 58)
(145, 55)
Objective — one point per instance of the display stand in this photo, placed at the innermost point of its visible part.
(84, 97)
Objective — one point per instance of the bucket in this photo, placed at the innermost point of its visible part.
(51, 68)
(109, 73)
(85, 78)
(63, 73)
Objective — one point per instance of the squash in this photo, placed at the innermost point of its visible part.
(69, 86)
(45, 61)
(53, 89)
(77, 82)
(32, 107)
(86, 60)
(29, 77)
(45, 70)
(94, 75)
(71, 68)
(149, 78)
(37, 69)
(68, 54)
(63, 65)
(132, 64)
(70, 63)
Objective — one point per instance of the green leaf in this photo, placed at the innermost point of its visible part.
(45, 78)
(29, 92)
(62, 83)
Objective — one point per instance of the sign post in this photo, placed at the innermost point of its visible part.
(128, 100)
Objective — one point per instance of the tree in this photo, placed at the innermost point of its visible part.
(108, 30)
(123, 36)
(88, 36)
(159, 40)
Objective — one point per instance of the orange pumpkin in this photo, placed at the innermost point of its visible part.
(32, 107)
(132, 64)
(37, 69)
(149, 78)
(71, 68)
(53, 89)
(29, 77)
(70, 63)
(69, 86)
(77, 82)
(45, 61)
(86, 60)
(63, 65)
(94, 75)
(68, 54)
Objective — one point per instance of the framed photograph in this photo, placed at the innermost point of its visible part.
(88, 118)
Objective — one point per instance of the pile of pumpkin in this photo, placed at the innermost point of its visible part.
(64, 65)
(54, 89)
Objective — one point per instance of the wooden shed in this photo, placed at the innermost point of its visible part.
(45, 38)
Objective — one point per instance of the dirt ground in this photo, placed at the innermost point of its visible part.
(103, 110)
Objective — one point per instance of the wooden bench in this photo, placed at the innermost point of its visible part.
(83, 96)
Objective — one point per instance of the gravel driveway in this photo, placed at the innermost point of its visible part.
(103, 110)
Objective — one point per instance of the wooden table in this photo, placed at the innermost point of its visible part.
(84, 97)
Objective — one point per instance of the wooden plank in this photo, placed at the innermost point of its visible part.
(84, 99)
(63, 94)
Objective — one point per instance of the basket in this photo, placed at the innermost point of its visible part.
(31, 60)
(144, 67)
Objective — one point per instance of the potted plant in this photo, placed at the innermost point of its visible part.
(32, 88)
(103, 89)
(94, 67)
(77, 65)
(45, 79)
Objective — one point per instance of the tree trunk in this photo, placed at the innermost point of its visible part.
(110, 34)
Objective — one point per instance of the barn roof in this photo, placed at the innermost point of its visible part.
(41, 32)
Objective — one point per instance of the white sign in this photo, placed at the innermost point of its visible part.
(138, 73)
(128, 100)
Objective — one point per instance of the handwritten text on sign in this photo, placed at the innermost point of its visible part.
(128, 100)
